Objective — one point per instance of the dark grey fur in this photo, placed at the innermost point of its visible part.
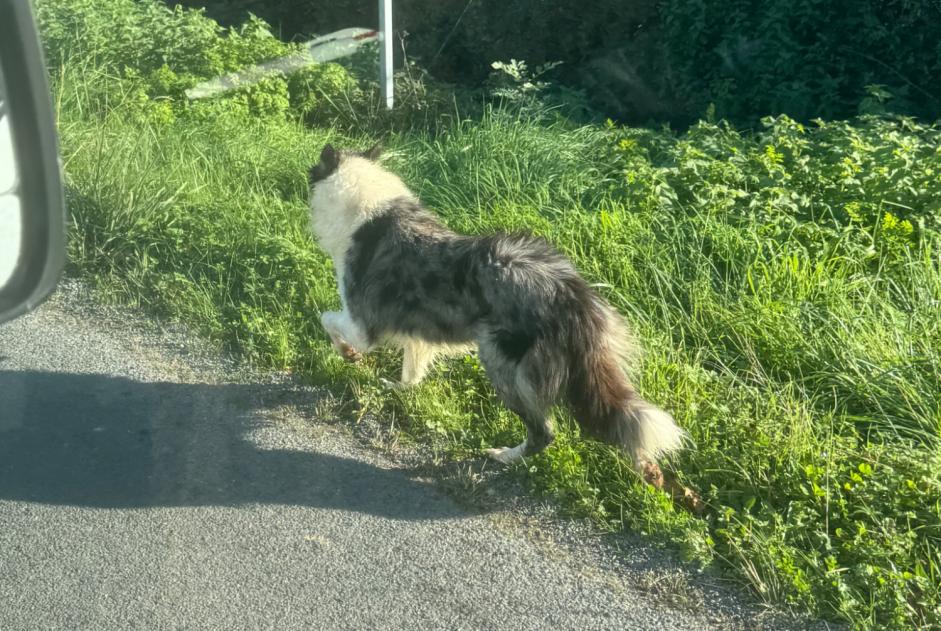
(540, 329)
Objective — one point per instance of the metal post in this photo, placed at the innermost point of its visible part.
(385, 52)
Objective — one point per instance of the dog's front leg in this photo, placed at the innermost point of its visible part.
(348, 337)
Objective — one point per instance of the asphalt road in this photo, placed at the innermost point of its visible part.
(141, 491)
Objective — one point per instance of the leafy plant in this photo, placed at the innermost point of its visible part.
(514, 80)
(786, 283)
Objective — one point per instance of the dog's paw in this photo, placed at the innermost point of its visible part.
(506, 455)
(348, 353)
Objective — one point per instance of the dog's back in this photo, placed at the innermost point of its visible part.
(544, 336)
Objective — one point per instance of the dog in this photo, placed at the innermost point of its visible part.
(543, 335)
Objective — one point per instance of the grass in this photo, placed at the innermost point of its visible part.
(786, 285)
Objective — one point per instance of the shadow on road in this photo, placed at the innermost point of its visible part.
(110, 442)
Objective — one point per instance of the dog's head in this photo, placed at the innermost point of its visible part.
(348, 187)
(332, 158)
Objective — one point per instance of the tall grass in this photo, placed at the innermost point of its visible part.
(786, 286)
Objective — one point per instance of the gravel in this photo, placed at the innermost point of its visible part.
(149, 481)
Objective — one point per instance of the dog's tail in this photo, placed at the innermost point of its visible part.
(603, 401)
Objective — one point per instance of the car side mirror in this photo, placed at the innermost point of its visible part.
(32, 211)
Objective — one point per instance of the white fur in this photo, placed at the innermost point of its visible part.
(343, 329)
(507, 455)
(341, 202)
(620, 340)
(419, 355)
(657, 433)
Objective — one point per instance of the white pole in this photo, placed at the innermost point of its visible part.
(385, 53)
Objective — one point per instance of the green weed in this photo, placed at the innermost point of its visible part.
(786, 284)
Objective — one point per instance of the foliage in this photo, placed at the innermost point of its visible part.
(806, 58)
(160, 53)
(669, 59)
(786, 283)
(516, 83)
(146, 36)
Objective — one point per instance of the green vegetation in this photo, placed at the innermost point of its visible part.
(666, 59)
(786, 284)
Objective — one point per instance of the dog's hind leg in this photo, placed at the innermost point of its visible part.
(417, 358)
(522, 395)
(539, 435)
(347, 336)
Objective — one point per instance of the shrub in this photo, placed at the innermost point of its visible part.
(669, 59)
(151, 54)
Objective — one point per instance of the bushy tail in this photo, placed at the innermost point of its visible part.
(645, 431)
(604, 403)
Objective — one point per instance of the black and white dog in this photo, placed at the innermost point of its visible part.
(543, 335)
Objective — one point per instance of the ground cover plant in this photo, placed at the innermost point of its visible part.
(786, 283)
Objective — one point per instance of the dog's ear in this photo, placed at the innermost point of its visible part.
(374, 152)
(329, 161)
(330, 157)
